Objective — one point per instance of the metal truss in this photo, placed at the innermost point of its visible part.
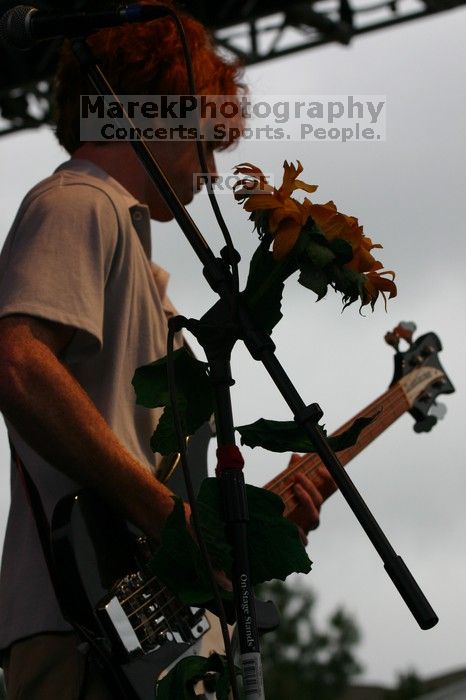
(305, 25)
(254, 30)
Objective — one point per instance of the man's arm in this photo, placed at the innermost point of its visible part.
(56, 417)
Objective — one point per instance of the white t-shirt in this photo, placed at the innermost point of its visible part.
(78, 253)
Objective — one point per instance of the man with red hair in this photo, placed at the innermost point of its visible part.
(81, 307)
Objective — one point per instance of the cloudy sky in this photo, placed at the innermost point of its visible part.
(408, 191)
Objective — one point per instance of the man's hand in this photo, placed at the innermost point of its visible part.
(310, 494)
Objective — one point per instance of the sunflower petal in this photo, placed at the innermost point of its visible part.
(289, 176)
(285, 238)
(262, 201)
(247, 169)
(300, 185)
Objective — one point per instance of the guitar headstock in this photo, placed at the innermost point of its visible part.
(419, 373)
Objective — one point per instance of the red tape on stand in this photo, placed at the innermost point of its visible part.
(228, 457)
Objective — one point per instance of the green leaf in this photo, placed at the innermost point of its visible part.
(194, 394)
(309, 232)
(164, 438)
(213, 526)
(348, 282)
(313, 278)
(179, 683)
(150, 384)
(264, 287)
(288, 436)
(223, 685)
(178, 562)
(275, 548)
(342, 250)
(320, 255)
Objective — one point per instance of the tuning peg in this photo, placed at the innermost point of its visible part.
(404, 330)
(391, 339)
(438, 410)
(425, 425)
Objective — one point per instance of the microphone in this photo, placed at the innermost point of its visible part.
(23, 25)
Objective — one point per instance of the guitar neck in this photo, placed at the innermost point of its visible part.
(388, 407)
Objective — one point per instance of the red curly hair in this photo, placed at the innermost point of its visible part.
(143, 59)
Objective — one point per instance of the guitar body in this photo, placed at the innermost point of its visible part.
(105, 593)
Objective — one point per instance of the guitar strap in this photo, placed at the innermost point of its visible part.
(39, 517)
(43, 530)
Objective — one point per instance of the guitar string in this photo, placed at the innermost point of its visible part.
(388, 406)
(156, 631)
(138, 590)
(158, 611)
(395, 401)
(163, 591)
(289, 473)
(153, 599)
(167, 618)
(290, 496)
(283, 490)
(389, 403)
(149, 618)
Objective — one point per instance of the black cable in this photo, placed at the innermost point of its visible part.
(194, 511)
(233, 261)
(106, 666)
(232, 254)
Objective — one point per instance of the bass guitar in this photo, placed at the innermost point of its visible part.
(135, 625)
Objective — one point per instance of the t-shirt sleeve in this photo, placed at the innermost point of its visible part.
(57, 258)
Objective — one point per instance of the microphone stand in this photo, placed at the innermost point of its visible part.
(218, 331)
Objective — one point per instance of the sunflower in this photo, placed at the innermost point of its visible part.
(274, 211)
(334, 224)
